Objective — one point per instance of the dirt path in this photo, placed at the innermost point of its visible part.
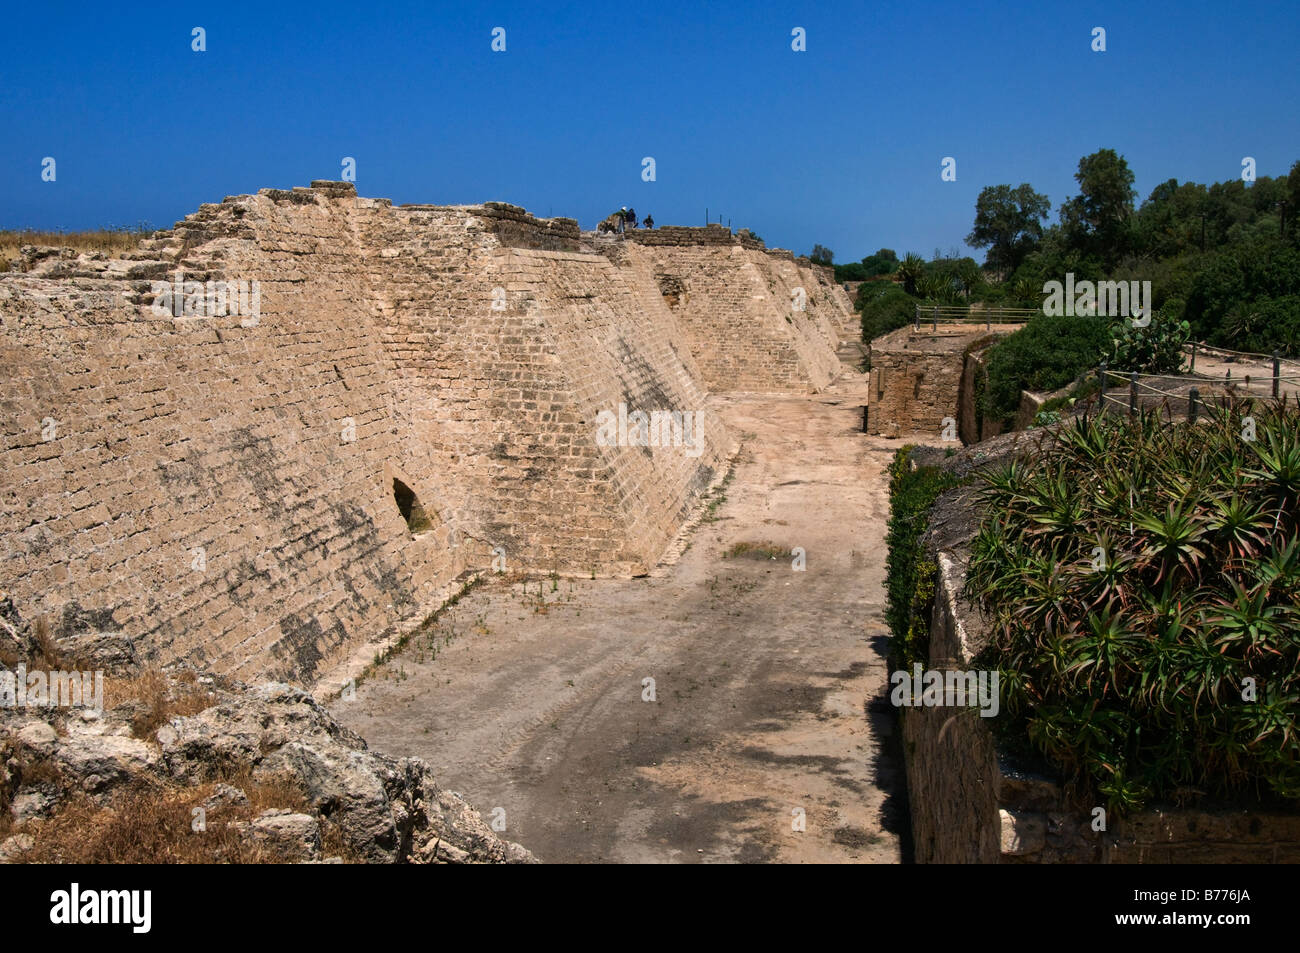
(534, 702)
(1259, 372)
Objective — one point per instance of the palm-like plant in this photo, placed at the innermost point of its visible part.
(910, 271)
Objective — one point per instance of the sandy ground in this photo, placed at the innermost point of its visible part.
(529, 696)
(1259, 372)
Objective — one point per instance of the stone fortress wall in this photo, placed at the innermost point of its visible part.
(758, 320)
(228, 491)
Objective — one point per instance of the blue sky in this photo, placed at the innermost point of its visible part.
(840, 144)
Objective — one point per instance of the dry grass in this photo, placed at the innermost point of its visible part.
(150, 821)
(161, 701)
(47, 655)
(34, 769)
(107, 240)
(25, 768)
(154, 824)
(763, 550)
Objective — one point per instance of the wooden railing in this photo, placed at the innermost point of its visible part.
(1203, 388)
(940, 314)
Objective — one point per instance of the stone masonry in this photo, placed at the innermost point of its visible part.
(919, 377)
(757, 320)
(916, 380)
(227, 490)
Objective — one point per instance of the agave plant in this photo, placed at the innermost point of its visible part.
(1142, 578)
(1240, 525)
(1279, 466)
(1173, 539)
(1278, 572)
(1248, 625)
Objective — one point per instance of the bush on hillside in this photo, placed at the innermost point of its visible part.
(1263, 325)
(910, 576)
(1047, 353)
(885, 307)
(1248, 292)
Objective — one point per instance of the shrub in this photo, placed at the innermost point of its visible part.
(990, 294)
(1247, 292)
(1046, 354)
(1142, 582)
(1058, 407)
(1261, 326)
(939, 289)
(909, 596)
(885, 307)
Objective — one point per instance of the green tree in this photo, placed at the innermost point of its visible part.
(1008, 222)
(821, 255)
(1096, 220)
(1170, 220)
(947, 279)
(882, 262)
(1291, 204)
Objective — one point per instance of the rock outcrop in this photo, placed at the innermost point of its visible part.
(269, 737)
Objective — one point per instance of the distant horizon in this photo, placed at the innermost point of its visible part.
(838, 144)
